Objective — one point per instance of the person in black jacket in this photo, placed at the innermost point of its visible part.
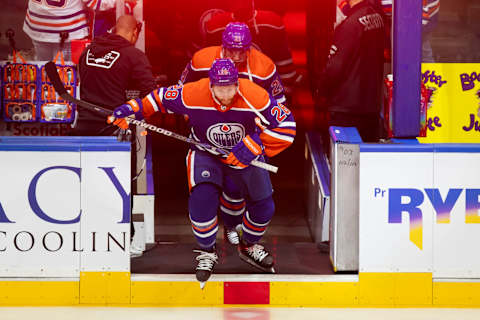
(110, 68)
(350, 85)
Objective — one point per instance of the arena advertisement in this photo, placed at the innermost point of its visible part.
(393, 238)
(457, 206)
(453, 114)
(63, 210)
(423, 216)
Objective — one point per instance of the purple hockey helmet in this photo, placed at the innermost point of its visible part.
(223, 73)
(236, 36)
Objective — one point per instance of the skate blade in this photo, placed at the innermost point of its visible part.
(202, 284)
(252, 263)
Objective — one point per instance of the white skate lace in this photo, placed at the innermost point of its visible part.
(232, 236)
(206, 260)
(257, 252)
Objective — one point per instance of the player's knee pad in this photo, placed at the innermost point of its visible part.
(261, 211)
(203, 202)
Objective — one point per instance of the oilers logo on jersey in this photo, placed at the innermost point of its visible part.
(225, 135)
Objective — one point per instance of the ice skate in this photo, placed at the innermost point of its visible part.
(206, 262)
(232, 235)
(135, 251)
(257, 256)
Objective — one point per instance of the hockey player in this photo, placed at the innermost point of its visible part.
(254, 65)
(223, 111)
(251, 63)
(268, 33)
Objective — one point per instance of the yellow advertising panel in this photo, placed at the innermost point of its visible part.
(453, 115)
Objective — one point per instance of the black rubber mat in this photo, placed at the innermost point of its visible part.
(174, 258)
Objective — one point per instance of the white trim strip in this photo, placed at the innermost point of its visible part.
(432, 4)
(206, 235)
(253, 232)
(231, 199)
(199, 69)
(255, 110)
(278, 136)
(160, 95)
(152, 101)
(254, 223)
(246, 278)
(287, 124)
(203, 224)
(192, 168)
(231, 212)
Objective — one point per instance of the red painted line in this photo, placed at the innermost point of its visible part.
(246, 293)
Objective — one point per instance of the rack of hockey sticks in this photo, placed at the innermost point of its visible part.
(52, 73)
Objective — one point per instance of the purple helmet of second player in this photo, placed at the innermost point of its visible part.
(236, 36)
(223, 73)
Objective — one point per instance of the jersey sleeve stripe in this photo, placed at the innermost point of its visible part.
(278, 136)
(287, 124)
(158, 98)
(273, 146)
(285, 131)
(152, 102)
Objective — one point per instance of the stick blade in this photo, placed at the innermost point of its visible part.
(51, 70)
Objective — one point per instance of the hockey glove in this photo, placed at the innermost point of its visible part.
(245, 151)
(123, 111)
(120, 122)
(127, 109)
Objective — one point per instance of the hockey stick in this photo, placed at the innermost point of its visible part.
(52, 73)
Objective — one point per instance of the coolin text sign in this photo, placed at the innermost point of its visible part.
(52, 241)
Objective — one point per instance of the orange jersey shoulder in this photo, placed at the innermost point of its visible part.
(198, 94)
(260, 64)
(253, 93)
(203, 59)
